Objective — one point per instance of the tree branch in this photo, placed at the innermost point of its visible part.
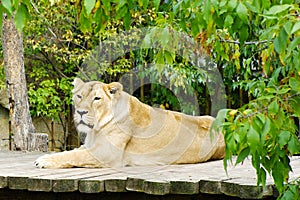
(246, 43)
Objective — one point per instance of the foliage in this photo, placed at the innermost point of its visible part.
(265, 128)
(255, 44)
(52, 54)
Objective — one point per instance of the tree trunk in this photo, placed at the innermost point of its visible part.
(13, 52)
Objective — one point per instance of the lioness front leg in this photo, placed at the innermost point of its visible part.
(67, 159)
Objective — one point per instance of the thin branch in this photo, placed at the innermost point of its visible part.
(246, 43)
(38, 12)
(53, 66)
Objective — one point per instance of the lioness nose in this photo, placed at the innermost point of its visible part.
(82, 112)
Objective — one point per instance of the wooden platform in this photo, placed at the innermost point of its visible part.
(17, 172)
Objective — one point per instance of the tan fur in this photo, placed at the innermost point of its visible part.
(122, 131)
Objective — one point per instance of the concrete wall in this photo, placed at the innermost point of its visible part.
(4, 119)
(40, 127)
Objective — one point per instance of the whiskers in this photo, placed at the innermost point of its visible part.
(85, 120)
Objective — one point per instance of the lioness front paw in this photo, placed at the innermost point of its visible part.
(46, 161)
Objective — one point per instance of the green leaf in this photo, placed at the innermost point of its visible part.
(84, 23)
(98, 17)
(7, 5)
(258, 122)
(271, 90)
(21, 17)
(253, 139)
(296, 27)
(294, 145)
(221, 116)
(89, 5)
(165, 37)
(294, 44)
(295, 102)
(278, 9)
(121, 12)
(232, 4)
(242, 12)
(160, 61)
(266, 128)
(278, 175)
(146, 43)
(144, 4)
(195, 27)
(106, 5)
(168, 57)
(280, 42)
(265, 4)
(277, 45)
(283, 138)
(288, 195)
(243, 33)
(261, 176)
(228, 21)
(127, 20)
(242, 155)
(251, 7)
(284, 90)
(294, 83)
(156, 4)
(273, 108)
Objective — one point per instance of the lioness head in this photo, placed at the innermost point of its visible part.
(93, 101)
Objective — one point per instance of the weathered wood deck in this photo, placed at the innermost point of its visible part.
(17, 172)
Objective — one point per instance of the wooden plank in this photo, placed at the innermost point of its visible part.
(156, 187)
(18, 172)
(115, 184)
(66, 181)
(166, 181)
(246, 189)
(3, 182)
(153, 182)
(95, 184)
(40, 182)
(184, 187)
(210, 186)
(40, 185)
(135, 184)
(64, 185)
(91, 186)
(17, 183)
(17, 179)
(111, 181)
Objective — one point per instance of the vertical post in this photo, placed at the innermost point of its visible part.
(207, 108)
(131, 83)
(241, 96)
(52, 136)
(142, 90)
(142, 95)
(67, 124)
(9, 135)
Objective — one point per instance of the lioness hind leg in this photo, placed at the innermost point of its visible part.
(67, 159)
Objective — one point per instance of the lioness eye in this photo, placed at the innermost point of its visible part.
(97, 98)
(79, 96)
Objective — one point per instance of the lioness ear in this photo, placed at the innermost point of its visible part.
(115, 87)
(77, 82)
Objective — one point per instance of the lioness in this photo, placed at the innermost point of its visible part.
(122, 131)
